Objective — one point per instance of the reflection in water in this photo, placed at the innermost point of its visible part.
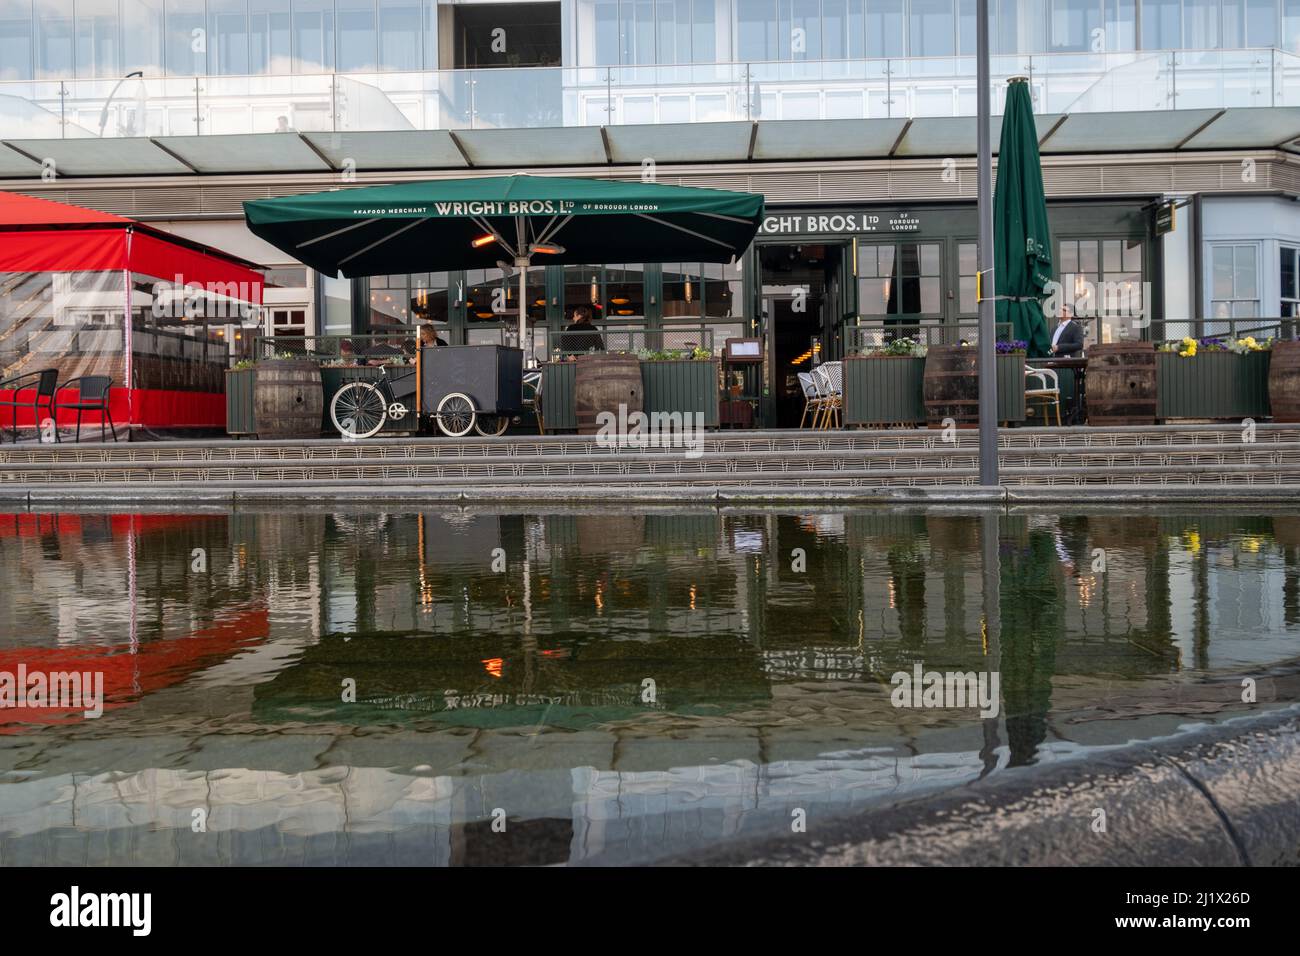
(370, 687)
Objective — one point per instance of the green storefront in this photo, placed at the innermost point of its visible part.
(811, 276)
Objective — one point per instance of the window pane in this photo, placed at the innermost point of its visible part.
(807, 18)
(1200, 24)
(704, 38)
(638, 31)
(873, 296)
(1132, 256)
(910, 259)
(1291, 25)
(1247, 284)
(185, 47)
(1069, 256)
(1261, 23)
(625, 291)
(756, 29)
(1073, 22)
(967, 260)
(53, 38)
(356, 35)
(269, 47)
(399, 35)
(932, 28)
(607, 46)
(1110, 255)
(15, 40)
(1021, 26)
(930, 259)
(1121, 24)
(1287, 271)
(885, 28)
(97, 29)
(1088, 257)
(966, 24)
(1221, 272)
(313, 36)
(930, 295)
(966, 303)
(885, 260)
(228, 36)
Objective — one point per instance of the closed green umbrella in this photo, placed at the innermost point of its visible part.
(1022, 243)
(476, 223)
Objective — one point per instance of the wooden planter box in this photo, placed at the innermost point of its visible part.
(240, 419)
(682, 385)
(884, 390)
(1212, 385)
(332, 378)
(889, 390)
(685, 385)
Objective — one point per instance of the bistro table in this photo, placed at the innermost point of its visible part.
(1076, 414)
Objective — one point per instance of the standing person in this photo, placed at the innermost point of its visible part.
(1067, 340)
(429, 337)
(581, 335)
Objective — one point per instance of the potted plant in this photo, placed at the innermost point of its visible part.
(882, 386)
(1011, 380)
(681, 380)
(1214, 377)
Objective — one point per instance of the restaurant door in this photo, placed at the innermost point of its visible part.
(805, 293)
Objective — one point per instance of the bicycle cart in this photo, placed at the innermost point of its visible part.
(458, 387)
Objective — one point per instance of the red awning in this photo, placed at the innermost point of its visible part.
(37, 235)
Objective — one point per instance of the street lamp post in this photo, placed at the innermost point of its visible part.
(987, 357)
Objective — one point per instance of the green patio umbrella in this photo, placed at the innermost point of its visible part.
(1022, 244)
(478, 223)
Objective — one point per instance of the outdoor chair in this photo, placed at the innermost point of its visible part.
(812, 400)
(92, 396)
(829, 377)
(45, 383)
(533, 382)
(1043, 385)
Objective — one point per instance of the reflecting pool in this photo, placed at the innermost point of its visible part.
(461, 687)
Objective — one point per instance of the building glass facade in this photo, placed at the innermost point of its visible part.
(54, 39)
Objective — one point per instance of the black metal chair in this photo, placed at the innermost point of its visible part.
(46, 385)
(92, 397)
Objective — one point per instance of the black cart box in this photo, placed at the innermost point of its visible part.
(491, 375)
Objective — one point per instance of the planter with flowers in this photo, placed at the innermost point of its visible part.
(1011, 380)
(1216, 377)
(676, 380)
(882, 386)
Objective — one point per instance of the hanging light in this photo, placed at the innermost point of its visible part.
(482, 241)
(595, 292)
(688, 290)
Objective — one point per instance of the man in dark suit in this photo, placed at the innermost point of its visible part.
(1067, 340)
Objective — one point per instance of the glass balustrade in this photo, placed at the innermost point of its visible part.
(637, 95)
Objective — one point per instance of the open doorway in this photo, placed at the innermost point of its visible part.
(798, 283)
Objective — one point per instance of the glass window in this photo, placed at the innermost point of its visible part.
(806, 29)
(54, 54)
(1291, 25)
(875, 279)
(967, 266)
(356, 29)
(932, 28)
(885, 28)
(638, 22)
(228, 35)
(488, 296)
(1261, 23)
(967, 40)
(704, 33)
(682, 289)
(313, 36)
(97, 44)
(1200, 25)
(1021, 27)
(624, 291)
(1121, 24)
(1162, 24)
(186, 38)
(1073, 23)
(15, 40)
(399, 35)
(1234, 281)
(142, 36)
(918, 279)
(674, 21)
(582, 286)
(1289, 272)
(756, 30)
(607, 43)
(269, 48)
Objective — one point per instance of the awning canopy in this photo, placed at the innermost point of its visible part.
(38, 235)
(475, 223)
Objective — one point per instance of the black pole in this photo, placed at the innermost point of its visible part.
(987, 317)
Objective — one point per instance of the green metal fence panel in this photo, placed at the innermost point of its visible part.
(687, 386)
(559, 403)
(239, 402)
(885, 390)
(1212, 385)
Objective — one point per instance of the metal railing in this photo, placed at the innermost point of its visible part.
(390, 348)
(664, 342)
(536, 97)
(1173, 330)
(876, 335)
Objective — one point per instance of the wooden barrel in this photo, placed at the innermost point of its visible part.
(1284, 381)
(287, 399)
(1122, 384)
(602, 383)
(951, 387)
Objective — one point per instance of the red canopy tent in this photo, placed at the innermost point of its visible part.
(92, 293)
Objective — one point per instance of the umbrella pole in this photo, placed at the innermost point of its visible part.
(522, 262)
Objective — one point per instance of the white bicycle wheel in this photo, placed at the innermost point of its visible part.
(492, 426)
(456, 415)
(358, 410)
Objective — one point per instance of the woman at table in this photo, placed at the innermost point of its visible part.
(429, 337)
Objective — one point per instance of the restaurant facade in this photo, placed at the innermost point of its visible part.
(1167, 134)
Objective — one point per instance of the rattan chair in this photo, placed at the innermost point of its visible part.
(830, 382)
(812, 400)
(1048, 393)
